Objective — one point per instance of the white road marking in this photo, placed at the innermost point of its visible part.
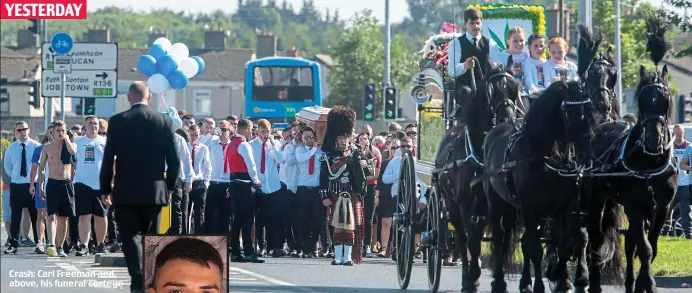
(263, 277)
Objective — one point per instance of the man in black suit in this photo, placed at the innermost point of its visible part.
(142, 141)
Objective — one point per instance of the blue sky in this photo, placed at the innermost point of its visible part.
(398, 8)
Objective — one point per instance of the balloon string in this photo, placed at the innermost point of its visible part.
(163, 102)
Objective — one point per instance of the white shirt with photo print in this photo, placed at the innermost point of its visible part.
(89, 159)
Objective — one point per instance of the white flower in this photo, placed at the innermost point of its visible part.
(433, 43)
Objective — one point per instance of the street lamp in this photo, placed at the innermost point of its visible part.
(618, 55)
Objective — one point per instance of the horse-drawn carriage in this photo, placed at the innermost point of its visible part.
(481, 163)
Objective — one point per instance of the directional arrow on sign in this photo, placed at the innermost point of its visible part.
(102, 75)
(368, 107)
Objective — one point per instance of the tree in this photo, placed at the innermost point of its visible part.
(359, 59)
(683, 22)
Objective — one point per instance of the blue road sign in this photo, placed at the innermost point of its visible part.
(61, 43)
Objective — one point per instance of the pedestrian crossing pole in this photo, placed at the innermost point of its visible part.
(387, 46)
(618, 55)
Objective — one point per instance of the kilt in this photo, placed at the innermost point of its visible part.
(358, 210)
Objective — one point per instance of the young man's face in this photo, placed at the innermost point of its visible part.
(187, 277)
(473, 27)
(59, 132)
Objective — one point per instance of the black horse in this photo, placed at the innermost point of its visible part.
(525, 172)
(600, 76)
(638, 171)
(459, 161)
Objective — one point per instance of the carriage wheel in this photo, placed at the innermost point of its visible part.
(406, 209)
(437, 227)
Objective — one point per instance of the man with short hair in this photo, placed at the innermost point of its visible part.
(309, 203)
(144, 143)
(87, 187)
(290, 179)
(201, 167)
(683, 197)
(188, 120)
(208, 128)
(243, 177)
(394, 127)
(17, 163)
(461, 50)
(267, 153)
(188, 265)
(412, 133)
(77, 130)
(57, 154)
(180, 199)
(218, 210)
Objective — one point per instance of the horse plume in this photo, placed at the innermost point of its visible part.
(588, 48)
(657, 46)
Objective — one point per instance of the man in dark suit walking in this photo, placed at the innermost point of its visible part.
(142, 141)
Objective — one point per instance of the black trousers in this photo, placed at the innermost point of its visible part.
(217, 212)
(179, 215)
(73, 223)
(274, 208)
(197, 205)
(292, 218)
(313, 216)
(21, 198)
(112, 226)
(262, 217)
(243, 200)
(369, 210)
(133, 221)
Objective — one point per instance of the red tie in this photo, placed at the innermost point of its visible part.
(226, 163)
(263, 155)
(192, 153)
(311, 166)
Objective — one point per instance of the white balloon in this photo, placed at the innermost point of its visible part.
(179, 52)
(189, 67)
(157, 83)
(165, 43)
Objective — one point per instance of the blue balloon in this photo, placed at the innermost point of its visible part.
(178, 80)
(147, 65)
(167, 65)
(200, 62)
(157, 51)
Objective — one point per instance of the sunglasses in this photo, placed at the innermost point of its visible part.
(22, 129)
(102, 133)
(224, 130)
(189, 122)
(308, 137)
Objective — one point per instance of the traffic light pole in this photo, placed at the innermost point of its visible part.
(62, 96)
(48, 102)
(387, 46)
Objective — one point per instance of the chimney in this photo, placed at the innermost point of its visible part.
(99, 35)
(266, 45)
(26, 39)
(153, 35)
(215, 39)
(293, 52)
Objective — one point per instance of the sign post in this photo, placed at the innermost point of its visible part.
(87, 70)
(62, 43)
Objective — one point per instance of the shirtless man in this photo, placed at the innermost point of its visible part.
(60, 203)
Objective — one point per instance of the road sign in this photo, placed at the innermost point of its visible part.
(85, 56)
(61, 43)
(82, 83)
(62, 64)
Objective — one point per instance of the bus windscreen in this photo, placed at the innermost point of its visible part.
(289, 84)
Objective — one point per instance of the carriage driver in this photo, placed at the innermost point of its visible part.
(470, 44)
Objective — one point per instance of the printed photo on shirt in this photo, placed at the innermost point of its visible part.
(186, 261)
(518, 70)
(541, 77)
(90, 154)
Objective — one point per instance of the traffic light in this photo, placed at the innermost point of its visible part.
(89, 106)
(391, 96)
(35, 94)
(369, 101)
(34, 28)
(4, 96)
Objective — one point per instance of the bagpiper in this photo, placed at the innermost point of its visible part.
(342, 186)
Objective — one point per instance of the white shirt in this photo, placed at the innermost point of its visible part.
(534, 76)
(203, 139)
(679, 153)
(303, 155)
(549, 70)
(272, 158)
(245, 151)
(89, 159)
(13, 166)
(185, 173)
(455, 66)
(202, 164)
(391, 176)
(518, 59)
(217, 156)
(290, 167)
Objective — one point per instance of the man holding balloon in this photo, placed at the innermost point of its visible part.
(169, 65)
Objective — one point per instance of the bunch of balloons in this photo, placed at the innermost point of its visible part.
(169, 64)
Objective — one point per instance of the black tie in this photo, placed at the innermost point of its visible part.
(475, 43)
(22, 170)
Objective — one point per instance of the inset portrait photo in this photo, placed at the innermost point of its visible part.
(181, 263)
